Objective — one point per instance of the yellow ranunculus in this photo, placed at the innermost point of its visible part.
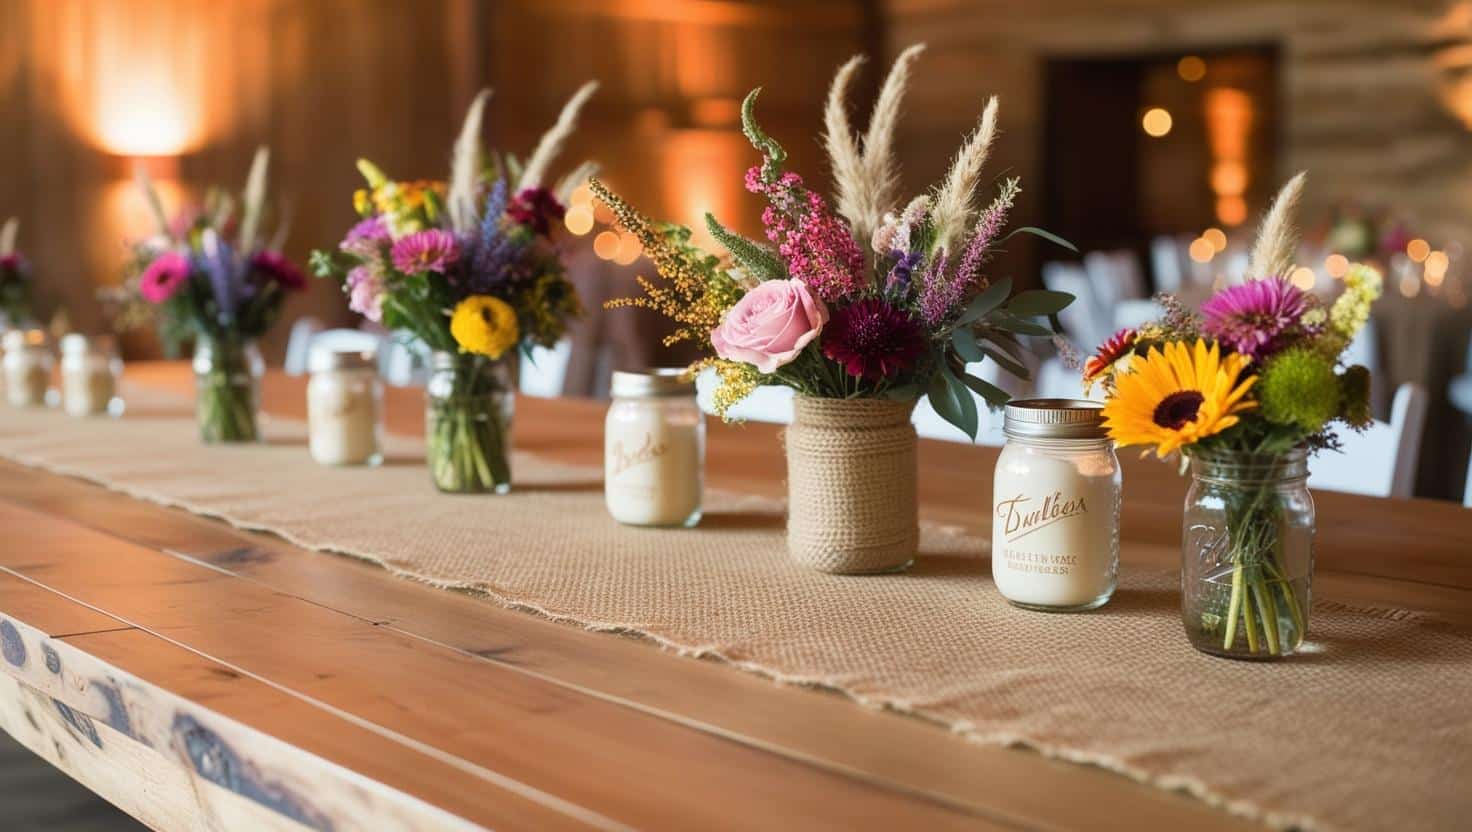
(484, 325)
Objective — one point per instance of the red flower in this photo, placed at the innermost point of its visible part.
(273, 266)
(873, 340)
(1116, 347)
(537, 209)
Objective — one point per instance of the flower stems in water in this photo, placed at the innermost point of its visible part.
(226, 409)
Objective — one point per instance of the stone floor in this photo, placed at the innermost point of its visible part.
(35, 797)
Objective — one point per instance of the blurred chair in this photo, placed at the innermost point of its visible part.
(1381, 461)
(1081, 318)
(1131, 314)
(1467, 496)
(1459, 392)
(771, 404)
(298, 342)
(544, 372)
(1114, 276)
(1169, 262)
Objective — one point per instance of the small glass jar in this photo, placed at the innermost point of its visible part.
(469, 404)
(90, 369)
(227, 380)
(1247, 555)
(1055, 507)
(654, 450)
(28, 364)
(344, 408)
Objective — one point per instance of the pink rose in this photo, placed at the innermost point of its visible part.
(164, 277)
(770, 325)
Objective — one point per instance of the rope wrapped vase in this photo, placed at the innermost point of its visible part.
(853, 502)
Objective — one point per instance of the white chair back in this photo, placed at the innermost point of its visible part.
(1081, 319)
(765, 404)
(1114, 276)
(298, 342)
(544, 373)
(1169, 261)
(1381, 461)
(1467, 496)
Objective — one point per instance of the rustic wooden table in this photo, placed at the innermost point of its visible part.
(200, 676)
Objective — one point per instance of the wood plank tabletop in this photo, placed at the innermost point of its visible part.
(200, 676)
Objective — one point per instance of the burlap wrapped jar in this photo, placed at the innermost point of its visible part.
(852, 497)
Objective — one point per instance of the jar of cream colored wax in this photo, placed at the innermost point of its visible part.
(344, 407)
(654, 450)
(90, 369)
(1055, 507)
(28, 364)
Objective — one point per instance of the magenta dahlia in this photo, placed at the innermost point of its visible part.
(434, 250)
(164, 277)
(1255, 318)
(274, 267)
(872, 339)
(537, 209)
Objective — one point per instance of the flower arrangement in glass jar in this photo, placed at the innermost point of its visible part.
(1244, 390)
(862, 307)
(471, 268)
(219, 280)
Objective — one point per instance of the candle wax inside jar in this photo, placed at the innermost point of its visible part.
(654, 463)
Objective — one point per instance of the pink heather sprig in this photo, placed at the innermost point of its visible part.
(940, 294)
(988, 227)
(818, 248)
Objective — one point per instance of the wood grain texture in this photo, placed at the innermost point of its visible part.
(539, 693)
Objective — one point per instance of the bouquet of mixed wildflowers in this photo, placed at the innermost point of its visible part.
(1254, 380)
(220, 281)
(472, 269)
(870, 298)
(15, 278)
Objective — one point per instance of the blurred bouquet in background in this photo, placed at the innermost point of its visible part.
(471, 269)
(15, 279)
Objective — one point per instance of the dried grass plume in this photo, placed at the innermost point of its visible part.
(954, 201)
(7, 236)
(552, 142)
(1276, 249)
(254, 198)
(465, 166)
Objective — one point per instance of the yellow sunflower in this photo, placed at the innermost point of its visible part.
(1177, 397)
(484, 325)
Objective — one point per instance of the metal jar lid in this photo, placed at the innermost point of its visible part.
(78, 343)
(327, 361)
(1054, 419)
(16, 340)
(655, 381)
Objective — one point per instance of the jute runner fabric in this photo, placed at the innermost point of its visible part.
(1368, 729)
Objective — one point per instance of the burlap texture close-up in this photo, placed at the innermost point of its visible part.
(1368, 728)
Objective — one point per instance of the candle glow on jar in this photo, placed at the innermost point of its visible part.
(1055, 507)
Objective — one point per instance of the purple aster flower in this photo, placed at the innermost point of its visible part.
(537, 209)
(365, 293)
(425, 251)
(366, 238)
(1254, 318)
(273, 266)
(872, 339)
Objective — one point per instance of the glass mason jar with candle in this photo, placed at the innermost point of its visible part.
(469, 402)
(28, 364)
(654, 449)
(1247, 559)
(90, 369)
(344, 408)
(227, 380)
(1055, 507)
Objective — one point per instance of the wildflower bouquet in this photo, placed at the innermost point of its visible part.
(1245, 389)
(472, 270)
(15, 279)
(871, 302)
(217, 282)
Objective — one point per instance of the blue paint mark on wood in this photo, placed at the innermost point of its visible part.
(117, 712)
(81, 722)
(11, 645)
(53, 661)
(214, 760)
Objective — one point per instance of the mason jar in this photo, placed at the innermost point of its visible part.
(227, 380)
(28, 364)
(654, 449)
(90, 369)
(469, 403)
(1055, 507)
(1247, 554)
(344, 408)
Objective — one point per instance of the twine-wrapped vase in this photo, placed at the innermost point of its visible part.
(852, 497)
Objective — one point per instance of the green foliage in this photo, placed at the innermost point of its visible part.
(773, 156)
(1298, 388)
(952, 400)
(758, 261)
(1354, 389)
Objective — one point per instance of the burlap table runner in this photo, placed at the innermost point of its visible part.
(1369, 729)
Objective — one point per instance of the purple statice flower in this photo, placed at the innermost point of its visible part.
(872, 339)
(1255, 318)
(817, 246)
(273, 266)
(897, 283)
(434, 250)
(366, 289)
(227, 278)
(367, 238)
(537, 209)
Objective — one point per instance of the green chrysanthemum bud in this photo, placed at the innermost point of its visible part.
(1354, 387)
(1298, 387)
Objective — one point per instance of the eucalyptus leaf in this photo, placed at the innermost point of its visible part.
(983, 304)
(1046, 235)
(1012, 323)
(1006, 361)
(953, 402)
(904, 393)
(1039, 302)
(994, 395)
(966, 346)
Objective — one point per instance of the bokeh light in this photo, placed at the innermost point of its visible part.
(1156, 121)
(1436, 266)
(579, 219)
(605, 245)
(1336, 265)
(629, 249)
(1201, 250)
(1417, 250)
(1304, 278)
(1216, 237)
(1191, 68)
(1231, 210)
(1410, 286)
